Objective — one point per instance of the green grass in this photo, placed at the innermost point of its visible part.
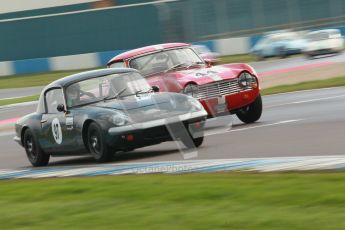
(194, 201)
(237, 58)
(317, 84)
(29, 80)
(19, 100)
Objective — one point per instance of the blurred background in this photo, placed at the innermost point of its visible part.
(41, 36)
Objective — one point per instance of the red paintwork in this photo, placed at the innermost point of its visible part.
(175, 81)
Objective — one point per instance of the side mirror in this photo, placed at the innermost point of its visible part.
(155, 89)
(210, 62)
(60, 108)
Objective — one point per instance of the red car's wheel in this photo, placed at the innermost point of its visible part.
(252, 112)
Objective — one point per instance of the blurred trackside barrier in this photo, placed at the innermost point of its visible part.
(85, 38)
(227, 46)
(73, 6)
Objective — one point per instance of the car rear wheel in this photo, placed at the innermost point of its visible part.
(97, 145)
(252, 112)
(34, 153)
(281, 52)
(309, 55)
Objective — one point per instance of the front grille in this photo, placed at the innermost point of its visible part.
(156, 132)
(219, 88)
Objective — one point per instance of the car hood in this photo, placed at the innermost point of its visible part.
(209, 74)
(151, 106)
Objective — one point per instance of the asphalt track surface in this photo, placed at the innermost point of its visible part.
(306, 123)
(262, 67)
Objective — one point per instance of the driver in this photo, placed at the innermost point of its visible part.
(162, 58)
(161, 62)
(73, 95)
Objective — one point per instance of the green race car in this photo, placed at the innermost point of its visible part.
(104, 111)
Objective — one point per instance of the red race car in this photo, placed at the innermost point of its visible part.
(176, 67)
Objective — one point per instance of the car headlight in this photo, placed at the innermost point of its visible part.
(191, 90)
(119, 119)
(196, 105)
(246, 79)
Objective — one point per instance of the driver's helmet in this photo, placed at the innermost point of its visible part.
(73, 94)
(162, 57)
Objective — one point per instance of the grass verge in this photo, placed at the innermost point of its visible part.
(189, 201)
(237, 58)
(317, 84)
(19, 100)
(30, 80)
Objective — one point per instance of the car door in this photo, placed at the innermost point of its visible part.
(56, 127)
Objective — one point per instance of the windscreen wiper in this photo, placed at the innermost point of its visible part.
(195, 63)
(109, 97)
(176, 66)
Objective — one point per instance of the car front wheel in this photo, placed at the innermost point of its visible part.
(33, 151)
(193, 142)
(252, 112)
(97, 145)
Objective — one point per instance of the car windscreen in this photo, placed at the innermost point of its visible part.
(105, 87)
(318, 36)
(163, 60)
(323, 35)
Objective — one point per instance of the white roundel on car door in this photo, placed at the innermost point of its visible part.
(56, 129)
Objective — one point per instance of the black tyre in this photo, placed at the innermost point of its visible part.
(252, 112)
(33, 151)
(196, 142)
(309, 56)
(97, 145)
(281, 52)
(260, 58)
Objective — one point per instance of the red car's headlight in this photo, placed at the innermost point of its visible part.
(191, 90)
(246, 80)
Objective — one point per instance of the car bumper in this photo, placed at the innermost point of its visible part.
(229, 103)
(293, 51)
(157, 131)
(320, 52)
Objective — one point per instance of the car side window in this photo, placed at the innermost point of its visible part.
(119, 64)
(53, 98)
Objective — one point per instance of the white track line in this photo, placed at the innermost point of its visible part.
(255, 127)
(266, 125)
(305, 91)
(4, 134)
(306, 101)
